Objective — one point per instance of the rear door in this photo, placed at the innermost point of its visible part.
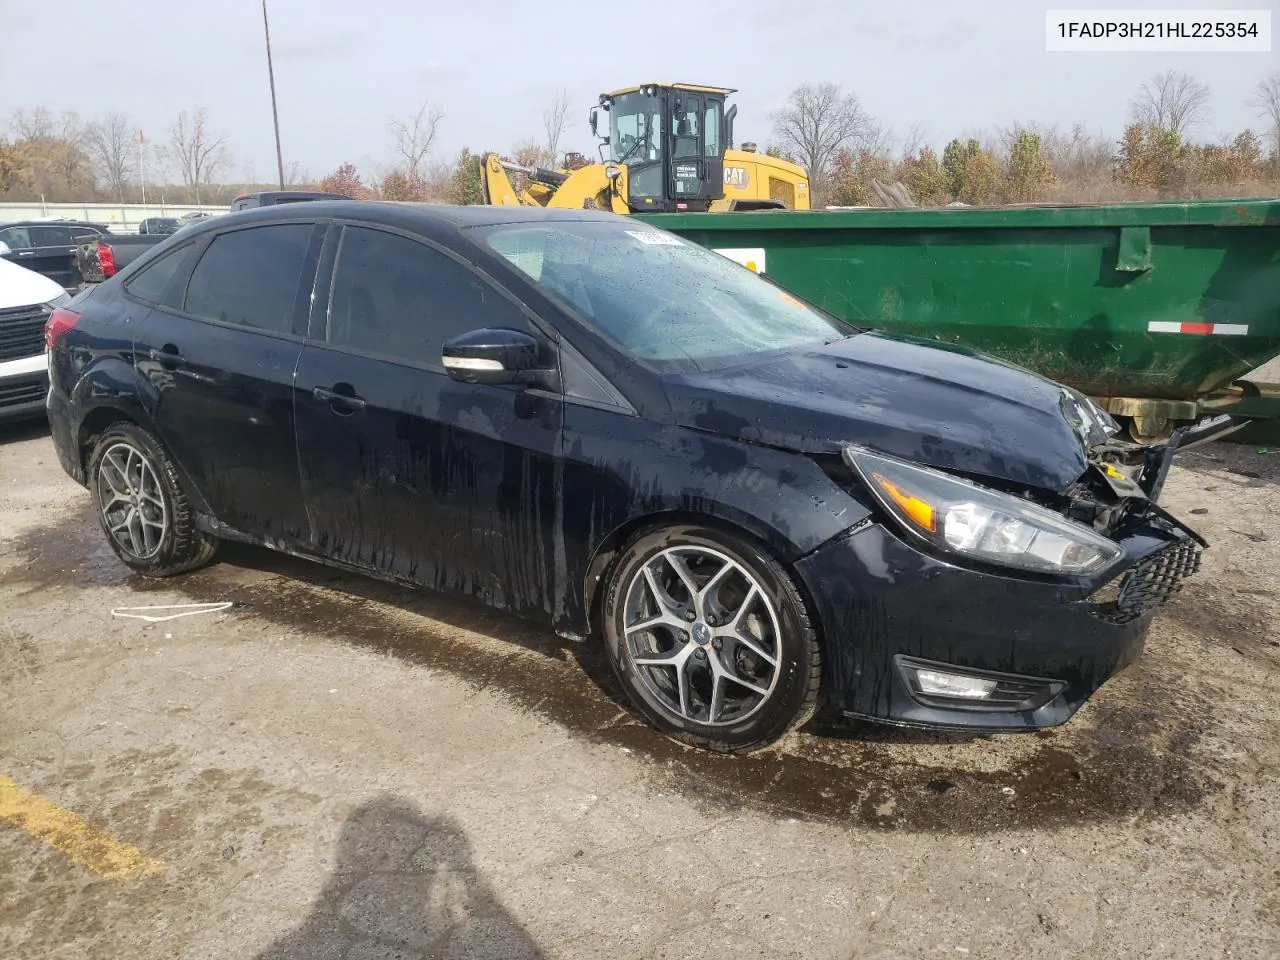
(407, 472)
(221, 353)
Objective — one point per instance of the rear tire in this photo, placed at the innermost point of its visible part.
(710, 638)
(141, 507)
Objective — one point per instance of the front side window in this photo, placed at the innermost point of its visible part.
(401, 299)
(635, 138)
(711, 147)
(250, 277)
(16, 238)
(661, 299)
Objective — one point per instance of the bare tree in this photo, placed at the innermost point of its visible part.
(554, 119)
(914, 139)
(34, 124)
(816, 123)
(413, 136)
(112, 149)
(1267, 99)
(295, 174)
(198, 152)
(1172, 101)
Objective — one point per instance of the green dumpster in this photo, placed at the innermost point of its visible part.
(1157, 309)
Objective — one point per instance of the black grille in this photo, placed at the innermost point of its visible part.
(1152, 582)
(22, 332)
(27, 390)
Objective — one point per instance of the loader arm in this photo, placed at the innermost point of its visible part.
(588, 187)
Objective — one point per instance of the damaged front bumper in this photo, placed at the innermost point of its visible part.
(914, 639)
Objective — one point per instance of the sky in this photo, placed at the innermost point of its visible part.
(344, 69)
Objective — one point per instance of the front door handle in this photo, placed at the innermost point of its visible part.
(342, 398)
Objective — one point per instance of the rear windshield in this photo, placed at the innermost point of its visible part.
(661, 299)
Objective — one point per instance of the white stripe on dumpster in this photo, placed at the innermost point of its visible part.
(1195, 327)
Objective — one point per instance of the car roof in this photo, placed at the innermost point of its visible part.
(410, 215)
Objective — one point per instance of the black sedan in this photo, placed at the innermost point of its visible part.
(578, 418)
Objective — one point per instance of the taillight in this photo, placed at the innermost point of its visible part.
(106, 260)
(59, 322)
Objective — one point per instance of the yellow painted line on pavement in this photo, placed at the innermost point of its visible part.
(84, 843)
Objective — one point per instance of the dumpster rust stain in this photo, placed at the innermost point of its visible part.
(1128, 754)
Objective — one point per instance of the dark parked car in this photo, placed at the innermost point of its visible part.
(48, 247)
(581, 419)
(159, 225)
(270, 198)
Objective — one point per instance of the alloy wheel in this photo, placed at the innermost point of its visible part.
(702, 635)
(132, 502)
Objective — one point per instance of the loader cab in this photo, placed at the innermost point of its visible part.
(672, 140)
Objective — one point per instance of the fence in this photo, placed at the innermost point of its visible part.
(122, 217)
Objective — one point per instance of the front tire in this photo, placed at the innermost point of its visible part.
(710, 638)
(143, 511)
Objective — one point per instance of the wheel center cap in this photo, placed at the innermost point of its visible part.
(701, 634)
(134, 499)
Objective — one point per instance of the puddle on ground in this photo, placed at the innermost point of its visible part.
(1129, 753)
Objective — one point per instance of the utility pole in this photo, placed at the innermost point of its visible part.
(271, 75)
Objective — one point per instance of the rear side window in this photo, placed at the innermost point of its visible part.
(250, 277)
(155, 280)
(402, 299)
(50, 236)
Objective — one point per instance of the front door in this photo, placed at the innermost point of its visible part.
(55, 254)
(408, 473)
(221, 352)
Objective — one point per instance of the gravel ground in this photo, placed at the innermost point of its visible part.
(335, 767)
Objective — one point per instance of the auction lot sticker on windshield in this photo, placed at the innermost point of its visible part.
(655, 239)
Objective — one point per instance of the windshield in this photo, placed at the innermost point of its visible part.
(659, 298)
(635, 125)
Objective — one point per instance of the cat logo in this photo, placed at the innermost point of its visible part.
(736, 177)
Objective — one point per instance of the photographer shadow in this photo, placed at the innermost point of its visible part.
(404, 885)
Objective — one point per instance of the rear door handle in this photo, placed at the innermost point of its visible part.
(170, 358)
(338, 400)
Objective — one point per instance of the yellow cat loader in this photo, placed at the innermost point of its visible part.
(669, 150)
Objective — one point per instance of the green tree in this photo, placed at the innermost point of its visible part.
(980, 180)
(465, 185)
(925, 178)
(1029, 173)
(851, 176)
(955, 157)
(1155, 158)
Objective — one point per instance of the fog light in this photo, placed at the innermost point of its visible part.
(938, 684)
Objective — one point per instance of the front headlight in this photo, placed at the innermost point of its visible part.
(962, 517)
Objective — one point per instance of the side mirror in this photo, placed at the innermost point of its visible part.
(593, 117)
(496, 356)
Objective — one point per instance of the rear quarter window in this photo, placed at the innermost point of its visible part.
(155, 282)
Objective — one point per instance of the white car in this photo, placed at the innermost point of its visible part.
(26, 301)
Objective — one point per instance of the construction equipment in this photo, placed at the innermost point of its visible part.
(669, 149)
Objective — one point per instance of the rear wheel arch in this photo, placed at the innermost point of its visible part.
(101, 419)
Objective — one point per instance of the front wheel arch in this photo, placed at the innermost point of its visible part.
(609, 549)
(791, 705)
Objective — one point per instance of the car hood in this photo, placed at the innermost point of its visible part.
(932, 404)
(20, 287)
